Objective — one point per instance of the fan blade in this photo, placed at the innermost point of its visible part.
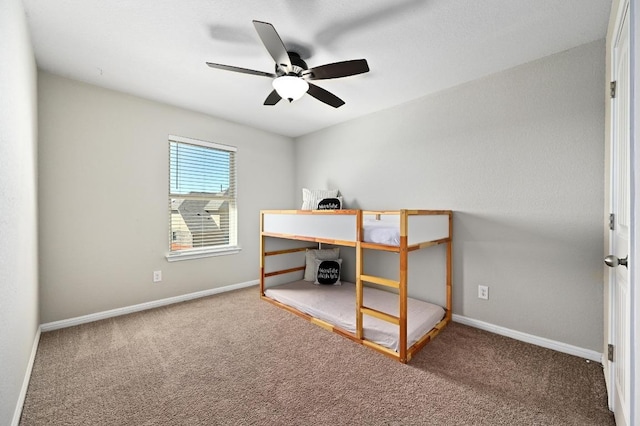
(242, 70)
(322, 95)
(273, 43)
(272, 99)
(339, 69)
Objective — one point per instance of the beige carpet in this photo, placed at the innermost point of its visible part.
(234, 359)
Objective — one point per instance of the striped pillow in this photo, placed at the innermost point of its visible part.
(311, 197)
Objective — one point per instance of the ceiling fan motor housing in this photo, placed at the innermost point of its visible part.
(298, 65)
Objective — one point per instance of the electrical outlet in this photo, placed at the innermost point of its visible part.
(483, 292)
(157, 276)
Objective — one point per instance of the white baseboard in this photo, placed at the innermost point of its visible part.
(27, 377)
(55, 325)
(529, 338)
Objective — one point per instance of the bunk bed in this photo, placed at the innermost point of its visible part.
(379, 315)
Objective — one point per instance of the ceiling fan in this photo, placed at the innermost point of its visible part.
(292, 75)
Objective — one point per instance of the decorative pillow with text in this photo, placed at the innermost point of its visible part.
(311, 197)
(328, 272)
(330, 204)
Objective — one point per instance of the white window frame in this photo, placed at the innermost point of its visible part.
(197, 253)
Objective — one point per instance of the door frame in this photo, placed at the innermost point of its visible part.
(634, 397)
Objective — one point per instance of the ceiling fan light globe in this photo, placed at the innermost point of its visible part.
(290, 87)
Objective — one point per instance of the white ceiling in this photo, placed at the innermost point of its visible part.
(157, 49)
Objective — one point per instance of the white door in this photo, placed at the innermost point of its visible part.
(619, 297)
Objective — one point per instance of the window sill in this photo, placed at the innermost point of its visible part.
(199, 254)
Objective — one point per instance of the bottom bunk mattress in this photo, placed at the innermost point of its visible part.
(337, 306)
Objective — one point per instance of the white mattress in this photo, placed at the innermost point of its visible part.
(381, 232)
(337, 306)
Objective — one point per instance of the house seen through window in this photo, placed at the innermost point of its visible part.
(202, 196)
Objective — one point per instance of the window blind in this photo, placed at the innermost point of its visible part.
(202, 195)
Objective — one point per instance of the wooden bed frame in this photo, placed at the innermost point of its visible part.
(316, 226)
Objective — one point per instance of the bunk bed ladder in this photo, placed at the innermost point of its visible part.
(400, 286)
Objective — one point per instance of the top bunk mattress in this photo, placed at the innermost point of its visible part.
(381, 232)
(336, 305)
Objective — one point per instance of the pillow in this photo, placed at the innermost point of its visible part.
(312, 255)
(330, 204)
(328, 272)
(311, 197)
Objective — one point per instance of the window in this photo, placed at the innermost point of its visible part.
(202, 199)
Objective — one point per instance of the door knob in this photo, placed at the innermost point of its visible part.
(613, 261)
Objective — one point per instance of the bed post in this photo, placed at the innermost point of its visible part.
(261, 253)
(359, 271)
(403, 285)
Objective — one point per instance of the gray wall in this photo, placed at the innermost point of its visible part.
(18, 208)
(519, 156)
(103, 198)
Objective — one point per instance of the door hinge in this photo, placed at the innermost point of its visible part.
(612, 221)
(610, 352)
(613, 89)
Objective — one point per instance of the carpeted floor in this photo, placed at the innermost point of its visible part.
(234, 359)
